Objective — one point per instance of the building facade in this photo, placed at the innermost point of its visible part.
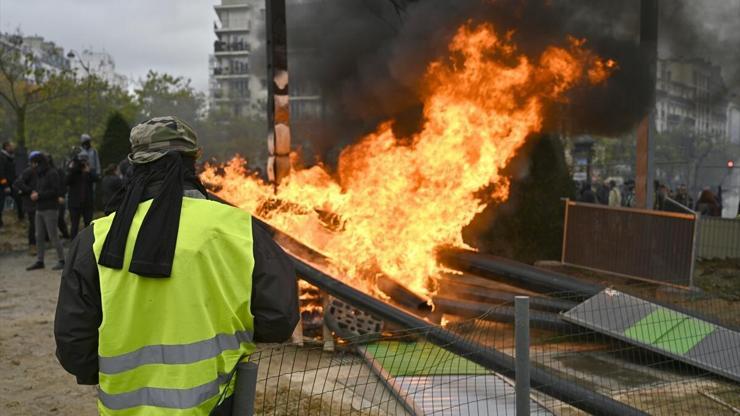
(47, 55)
(99, 64)
(234, 85)
(733, 118)
(691, 95)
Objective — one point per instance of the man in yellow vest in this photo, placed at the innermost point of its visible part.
(160, 300)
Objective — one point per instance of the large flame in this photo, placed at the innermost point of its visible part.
(394, 203)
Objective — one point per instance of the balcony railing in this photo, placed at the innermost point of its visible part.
(238, 46)
(230, 71)
(220, 95)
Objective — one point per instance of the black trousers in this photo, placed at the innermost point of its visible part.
(18, 206)
(31, 228)
(74, 216)
(62, 222)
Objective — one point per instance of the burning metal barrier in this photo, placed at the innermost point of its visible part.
(488, 358)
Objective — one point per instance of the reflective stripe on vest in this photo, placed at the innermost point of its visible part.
(158, 397)
(174, 354)
(166, 345)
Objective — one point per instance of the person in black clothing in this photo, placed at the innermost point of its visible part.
(125, 170)
(80, 180)
(7, 175)
(23, 187)
(587, 194)
(61, 220)
(111, 183)
(46, 195)
(602, 193)
(683, 197)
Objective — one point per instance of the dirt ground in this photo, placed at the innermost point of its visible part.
(32, 381)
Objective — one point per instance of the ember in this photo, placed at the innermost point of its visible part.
(393, 203)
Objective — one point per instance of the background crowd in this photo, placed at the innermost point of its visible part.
(678, 199)
(53, 198)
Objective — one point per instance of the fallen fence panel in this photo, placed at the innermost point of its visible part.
(665, 331)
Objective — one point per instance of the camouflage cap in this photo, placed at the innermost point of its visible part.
(153, 138)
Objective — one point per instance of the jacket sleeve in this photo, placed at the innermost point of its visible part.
(274, 289)
(21, 185)
(4, 177)
(79, 311)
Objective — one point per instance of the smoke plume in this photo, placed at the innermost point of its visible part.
(703, 29)
(367, 58)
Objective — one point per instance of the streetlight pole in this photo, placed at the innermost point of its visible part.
(72, 55)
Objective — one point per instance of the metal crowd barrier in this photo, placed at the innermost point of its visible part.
(653, 245)
(719, 238)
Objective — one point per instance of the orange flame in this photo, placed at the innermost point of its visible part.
(395, 203)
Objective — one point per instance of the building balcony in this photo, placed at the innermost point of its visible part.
(236, 52)
(218, 7)
(221, 30)
(229, 98)
(226, 73)
(231, 48)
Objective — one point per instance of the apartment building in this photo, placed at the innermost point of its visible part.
(99, 64)
(690, 94)
(234, 85)
(47, 55)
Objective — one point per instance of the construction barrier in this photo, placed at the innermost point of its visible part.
(718, 238)
(645, 244)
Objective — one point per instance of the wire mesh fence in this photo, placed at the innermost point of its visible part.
(718, 238)
(657, 351)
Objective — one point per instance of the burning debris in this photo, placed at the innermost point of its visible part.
(394, 202)
(396, 199)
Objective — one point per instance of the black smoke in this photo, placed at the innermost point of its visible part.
(708, 30)
(368, 57)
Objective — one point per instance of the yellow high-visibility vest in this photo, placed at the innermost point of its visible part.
(167, 345)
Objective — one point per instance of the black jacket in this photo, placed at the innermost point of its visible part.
(24, 185)
(80, 187)
(7, 171)
(49, 188)
(109, 186)
(274, 301)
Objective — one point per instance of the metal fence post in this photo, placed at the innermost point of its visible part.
(521, 317)
(245, 390)
(565, 230)
(695, 247)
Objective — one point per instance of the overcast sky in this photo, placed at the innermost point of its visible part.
(173, 36)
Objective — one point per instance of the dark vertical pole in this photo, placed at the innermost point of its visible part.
(521, 335)
(245, 390)
(645, 168)
(589, 162)
(278, 106)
